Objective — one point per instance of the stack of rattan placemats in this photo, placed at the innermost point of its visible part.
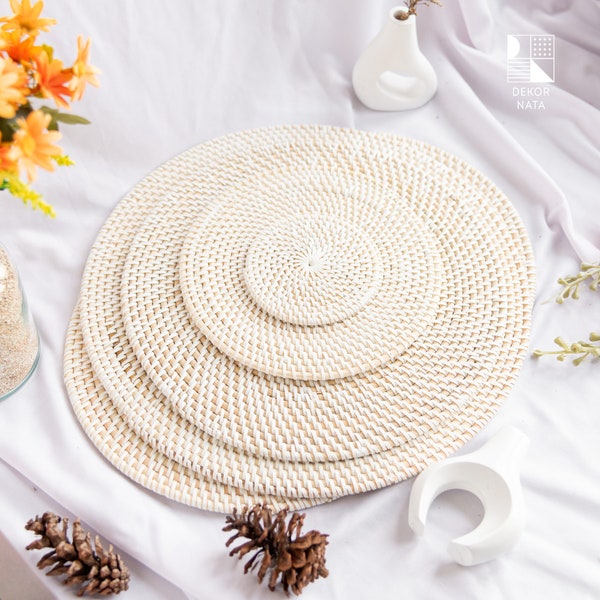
(294, 314)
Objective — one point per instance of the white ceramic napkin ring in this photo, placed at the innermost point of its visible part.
(490, 473)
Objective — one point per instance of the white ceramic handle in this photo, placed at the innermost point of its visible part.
(492, 474)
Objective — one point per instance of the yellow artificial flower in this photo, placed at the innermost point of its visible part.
(83, 72)
(8, 157)
(20, 50)
(25, 19)
(35, 144)
(52, 79)
(13, 87)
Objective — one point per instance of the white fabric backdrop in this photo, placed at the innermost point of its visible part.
(179, 73)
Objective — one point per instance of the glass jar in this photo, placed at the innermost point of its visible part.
(19, 341)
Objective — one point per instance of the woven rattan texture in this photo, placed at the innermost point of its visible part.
(334, 233)
(261, 232)
(145, 463)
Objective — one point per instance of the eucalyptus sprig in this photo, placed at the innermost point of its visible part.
(571, 284)
(581, 350)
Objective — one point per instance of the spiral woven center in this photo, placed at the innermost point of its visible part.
(313, 270)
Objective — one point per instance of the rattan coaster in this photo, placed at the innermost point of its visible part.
(309, 439)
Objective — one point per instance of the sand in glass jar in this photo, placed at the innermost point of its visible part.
(19, 344)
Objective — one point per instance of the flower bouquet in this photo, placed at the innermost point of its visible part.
(29, 72)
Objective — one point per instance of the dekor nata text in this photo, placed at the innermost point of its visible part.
(531, 98)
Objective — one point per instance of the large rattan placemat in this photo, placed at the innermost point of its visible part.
(299, 312)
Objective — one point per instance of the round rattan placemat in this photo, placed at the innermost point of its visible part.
(213, 293)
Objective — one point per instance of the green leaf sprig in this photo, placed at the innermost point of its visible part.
(571, 283)
(590, 274)
(581, 350)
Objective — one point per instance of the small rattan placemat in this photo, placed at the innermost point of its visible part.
(300, 312)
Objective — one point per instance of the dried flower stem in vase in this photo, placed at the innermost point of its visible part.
(411, 6)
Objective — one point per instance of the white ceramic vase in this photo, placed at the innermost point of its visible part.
(392, 73)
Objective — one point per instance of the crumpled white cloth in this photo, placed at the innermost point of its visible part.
(176, 74)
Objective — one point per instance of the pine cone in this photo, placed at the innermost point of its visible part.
(96, 571)
(298, 559)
